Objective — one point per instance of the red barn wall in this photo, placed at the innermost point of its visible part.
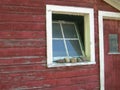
(23, 48)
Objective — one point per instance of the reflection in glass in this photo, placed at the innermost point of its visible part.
(56, 30)
(73, 48)
(113, 42)
(69, 31)
(58, 48)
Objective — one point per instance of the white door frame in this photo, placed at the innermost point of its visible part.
(104, 15)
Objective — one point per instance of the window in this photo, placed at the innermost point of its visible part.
(70, 36)
(66, 42)
(113, 43)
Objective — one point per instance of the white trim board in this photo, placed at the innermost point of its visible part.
(104, 15)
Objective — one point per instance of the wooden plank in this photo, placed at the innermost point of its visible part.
(22, 43)
(75, 73)
(22, 34)
(45, 73)
(22, 10)
(9, 61)
(23, 3)
(39, 85)
(72, 3)
(21, 18)
(22, 68)
(22, 26)
(7, 52)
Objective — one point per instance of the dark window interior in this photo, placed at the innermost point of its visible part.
(79, 21)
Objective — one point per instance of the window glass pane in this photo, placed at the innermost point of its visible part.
(73, 48)
(113, 42)
(56, 30)
(58, 48)
(69, 31)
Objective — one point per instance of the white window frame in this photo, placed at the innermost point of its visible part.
(88, 14)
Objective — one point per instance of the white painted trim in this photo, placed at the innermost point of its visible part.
(104, 15)
(48, 34)
(88, 13)
(70, 64)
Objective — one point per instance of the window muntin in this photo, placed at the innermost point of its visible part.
(69, 45)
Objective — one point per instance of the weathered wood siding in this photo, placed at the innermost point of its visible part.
(112, 61)
(23, 48)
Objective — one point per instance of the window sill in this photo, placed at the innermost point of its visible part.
(70, 64)
(114, 53)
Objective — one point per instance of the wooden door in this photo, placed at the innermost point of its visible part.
(112, 54)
